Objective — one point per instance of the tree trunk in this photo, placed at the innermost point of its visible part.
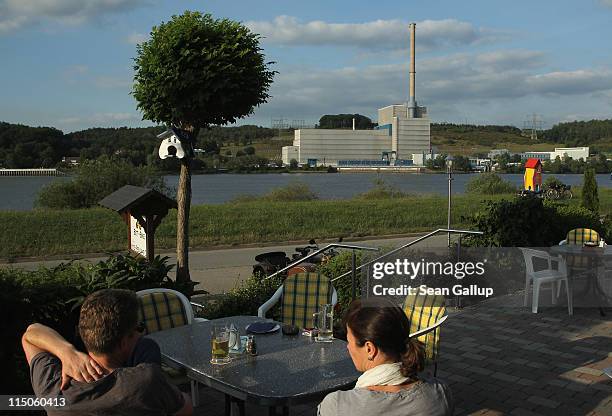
(183, 199)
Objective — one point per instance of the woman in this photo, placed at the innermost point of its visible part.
(378, 343)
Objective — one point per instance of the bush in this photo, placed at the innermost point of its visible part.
(295, 191)
(293, 164)
(335, 267)
(489, 184)
(52, 296)
(245, 299)
(590, 198)
(382, 190)
(552, 182)
(529, 222)
(95, 180)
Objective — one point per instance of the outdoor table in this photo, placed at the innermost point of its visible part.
(597, 257)
(288, 370)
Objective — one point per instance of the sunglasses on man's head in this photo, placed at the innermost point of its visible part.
(141, 327)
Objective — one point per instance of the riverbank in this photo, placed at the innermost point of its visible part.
(42, 233)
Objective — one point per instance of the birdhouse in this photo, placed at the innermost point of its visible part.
(533, 175)
(142, 210)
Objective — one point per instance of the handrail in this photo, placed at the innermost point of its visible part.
(319, 251)
(421, 238)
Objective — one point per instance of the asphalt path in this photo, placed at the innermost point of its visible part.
(219, 270)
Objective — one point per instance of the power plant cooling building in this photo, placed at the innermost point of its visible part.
(403, 129)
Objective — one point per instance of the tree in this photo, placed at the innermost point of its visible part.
(293, 164)
(193, 72)
(462, 164)
(590, 199)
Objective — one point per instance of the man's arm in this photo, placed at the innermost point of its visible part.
(75, 364)
(187, 409)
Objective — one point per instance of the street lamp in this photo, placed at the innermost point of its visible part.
(449, 170)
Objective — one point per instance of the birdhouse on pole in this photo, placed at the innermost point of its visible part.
(533, 175)
(142, 210)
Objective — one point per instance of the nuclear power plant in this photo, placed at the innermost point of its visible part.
(403, 131)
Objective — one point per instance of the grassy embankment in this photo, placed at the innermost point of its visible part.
(64, 232)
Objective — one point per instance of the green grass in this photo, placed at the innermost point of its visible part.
(46, 233)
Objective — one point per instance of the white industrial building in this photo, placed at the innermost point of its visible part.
(403, 130)
(575, 153)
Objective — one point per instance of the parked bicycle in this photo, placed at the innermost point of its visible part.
(559, 191)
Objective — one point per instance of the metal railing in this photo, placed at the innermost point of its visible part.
(322, 250)
(411, 243)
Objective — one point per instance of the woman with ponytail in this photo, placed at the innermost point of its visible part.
(379, 345)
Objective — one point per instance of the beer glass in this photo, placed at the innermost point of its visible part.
(324, 322)
(219, 339)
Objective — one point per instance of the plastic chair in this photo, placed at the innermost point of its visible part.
(301, 295)
(162, 309)
(548, 275)
(426, 313)
(579, 236)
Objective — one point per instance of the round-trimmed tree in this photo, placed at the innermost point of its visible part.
(196, 71)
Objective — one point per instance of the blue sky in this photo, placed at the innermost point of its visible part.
(68, 63)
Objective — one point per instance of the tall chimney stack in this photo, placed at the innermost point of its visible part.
(412, 105)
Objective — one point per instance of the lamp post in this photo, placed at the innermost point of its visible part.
(449, 170)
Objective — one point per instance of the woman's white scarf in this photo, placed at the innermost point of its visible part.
(382, 375)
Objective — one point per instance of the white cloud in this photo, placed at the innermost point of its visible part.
(136, 38)
(17, 13)
(607, 3)
(500, 86)
(377, 34)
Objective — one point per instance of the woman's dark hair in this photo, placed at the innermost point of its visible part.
(385, 324)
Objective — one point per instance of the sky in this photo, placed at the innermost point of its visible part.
(69, 63)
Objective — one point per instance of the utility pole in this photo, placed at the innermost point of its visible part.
(534, 123)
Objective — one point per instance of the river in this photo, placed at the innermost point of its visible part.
(19, 193)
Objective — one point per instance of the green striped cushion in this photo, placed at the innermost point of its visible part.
(423, 311)
(580, 236)
(161, 310)
(303, 293)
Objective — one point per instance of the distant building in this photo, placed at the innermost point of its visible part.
(497, 152)
(560, 152)
(70, 160)
(536, 155)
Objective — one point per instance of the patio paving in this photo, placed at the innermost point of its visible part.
(500, 359)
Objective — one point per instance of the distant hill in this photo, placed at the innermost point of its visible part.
(25, 147)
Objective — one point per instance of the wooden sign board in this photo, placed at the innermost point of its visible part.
(138, 237)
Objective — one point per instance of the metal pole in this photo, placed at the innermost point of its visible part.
(448, 222)
(353, 275)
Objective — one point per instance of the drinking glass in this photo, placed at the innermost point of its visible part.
(219, 339)
(324, 322)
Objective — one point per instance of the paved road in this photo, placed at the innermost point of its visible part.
(219, 270)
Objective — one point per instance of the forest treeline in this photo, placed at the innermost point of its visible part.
(33, 147)
(26, 147)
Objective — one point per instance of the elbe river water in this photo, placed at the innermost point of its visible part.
(19, 193)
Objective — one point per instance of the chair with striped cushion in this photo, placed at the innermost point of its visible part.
(579, 236)
(425, 311)
(301, 295)
(162, 309)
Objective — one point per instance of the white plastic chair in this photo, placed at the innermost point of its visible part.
(276, 297)
(548, 275)
(189, 316)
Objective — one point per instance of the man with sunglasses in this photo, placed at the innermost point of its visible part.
(118, 375)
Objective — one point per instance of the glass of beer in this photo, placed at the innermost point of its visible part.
(219, 340)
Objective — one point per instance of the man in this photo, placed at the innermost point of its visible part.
(99, 382)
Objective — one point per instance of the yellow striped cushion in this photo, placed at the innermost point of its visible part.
(303, 293)
(580, 236)
(161, 310)
(423, 311)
